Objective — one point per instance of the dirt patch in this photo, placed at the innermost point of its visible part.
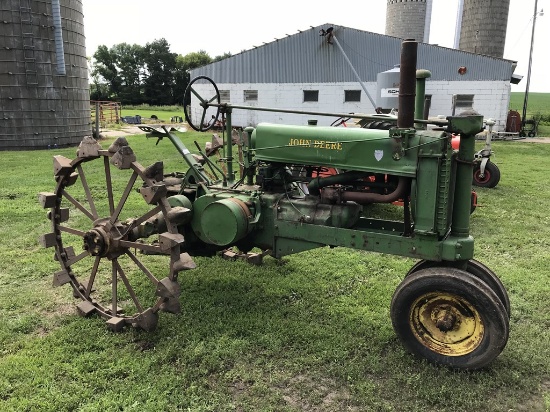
(130, 130)
(303, 393)
(535, 140)
(122, 132)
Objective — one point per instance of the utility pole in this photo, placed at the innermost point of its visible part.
(526, 98)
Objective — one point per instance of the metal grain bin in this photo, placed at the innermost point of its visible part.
(387, 89)
(44, 92)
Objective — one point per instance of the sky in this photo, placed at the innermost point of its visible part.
(219, 27)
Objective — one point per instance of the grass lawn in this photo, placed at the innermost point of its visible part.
(538, 105)
(313, 333)
(163, 113)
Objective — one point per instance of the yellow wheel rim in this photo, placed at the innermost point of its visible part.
(446, 323)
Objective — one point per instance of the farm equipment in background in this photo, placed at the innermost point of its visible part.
(450, 309)
(529, 127)
(486, 173)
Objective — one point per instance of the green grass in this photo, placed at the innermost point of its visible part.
(311, 334)
(537, 103)
(538, 106)
(164, 113)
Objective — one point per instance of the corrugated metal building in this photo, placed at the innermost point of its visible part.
(290, 72)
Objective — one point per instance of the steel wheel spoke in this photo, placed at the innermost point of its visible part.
(77, 258)
(71, 230)
(92, 276)
(124, 198)
(114, 281)
(142, 267)
(87, 191)
(143, 218)
(78, 205)
(109, 184)
(128, 286)
(141, 246)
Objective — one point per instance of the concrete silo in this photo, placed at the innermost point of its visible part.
(44, 92)
(483, 26)
(409, 19)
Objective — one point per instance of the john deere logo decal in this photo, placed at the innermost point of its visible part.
(378, 154)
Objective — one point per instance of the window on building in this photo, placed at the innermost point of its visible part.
(225, 96)
(251, 95)
(352, 95)
(462, 102)
(311, 95)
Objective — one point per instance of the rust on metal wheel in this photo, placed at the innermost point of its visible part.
(113, 232)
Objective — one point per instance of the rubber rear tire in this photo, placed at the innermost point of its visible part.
(379, 124)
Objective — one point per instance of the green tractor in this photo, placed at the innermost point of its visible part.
(113, 236)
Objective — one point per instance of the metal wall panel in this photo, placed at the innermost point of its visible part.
(306, 57)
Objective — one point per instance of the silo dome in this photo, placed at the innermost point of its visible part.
(44, 92)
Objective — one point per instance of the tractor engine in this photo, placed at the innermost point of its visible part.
(325, 177)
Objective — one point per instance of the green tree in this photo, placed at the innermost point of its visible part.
(105, 66)
(183, 65)
(130, 63)
(151, 74)
(160, 65)
(222, 57)
(99, 90)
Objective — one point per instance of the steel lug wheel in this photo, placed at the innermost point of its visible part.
(105, 211)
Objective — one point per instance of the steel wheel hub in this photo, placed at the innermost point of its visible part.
(446, 323)
(102, 240)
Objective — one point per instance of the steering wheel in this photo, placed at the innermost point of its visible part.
(206, 123)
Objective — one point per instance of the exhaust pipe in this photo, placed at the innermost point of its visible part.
(407, 84)
(365, 198)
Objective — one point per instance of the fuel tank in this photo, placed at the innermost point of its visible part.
(345, 147)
